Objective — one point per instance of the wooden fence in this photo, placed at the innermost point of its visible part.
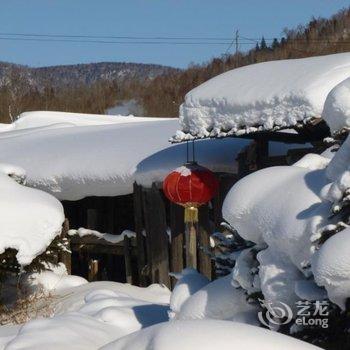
(160, 245)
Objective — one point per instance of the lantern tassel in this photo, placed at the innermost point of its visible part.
(191, 214)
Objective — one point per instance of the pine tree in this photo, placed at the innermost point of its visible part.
(263, 45)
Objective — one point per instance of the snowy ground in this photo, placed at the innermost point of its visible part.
(101, 315)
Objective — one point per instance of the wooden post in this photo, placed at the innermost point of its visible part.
(177, 227)
(204, 230)
(93, 270)
(191, 245)
(156, 236)
(65, 257)
(140, 239)
(127, 259)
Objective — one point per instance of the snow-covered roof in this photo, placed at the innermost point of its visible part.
(264, 96)
(73, 156)
(30, 219)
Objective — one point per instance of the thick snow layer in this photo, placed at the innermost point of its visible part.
(219, 300)
(340, 162)
(206, 335)
(81, 232)
(55, 280)
(79, 157)
(262, 96)
(331, 267)
(312, 161)
(336, 111)
(242, 272)
(189, 281)
(92, 315)
(37, 119)
(30, 219)
(76, 299)
(278, 277)
(279, 206)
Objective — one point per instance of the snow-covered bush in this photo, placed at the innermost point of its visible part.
(30, 225)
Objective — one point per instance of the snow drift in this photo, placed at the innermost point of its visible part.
(92, 315)
(206, 335)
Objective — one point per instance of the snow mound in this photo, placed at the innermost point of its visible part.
(92, 315)
(189, 281)
(72, 331)
(206, 335)
(262, 96)
(312, 161)
(331, 267)
(55, 280)
(257, 210)
(336, 111)
(340, 162)
(73, 156)
(30, 219)
(37, 119)
(219, 300)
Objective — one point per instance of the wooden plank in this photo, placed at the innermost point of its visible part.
(127, 259)
(140, 239)
(204, 231)
(191, 245)
(65, 257)
(100, 249)
(177, 227)
(93, 270)
(157, 238)
(90, 239)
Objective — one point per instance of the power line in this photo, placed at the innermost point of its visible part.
(113, 37)
(121, 42)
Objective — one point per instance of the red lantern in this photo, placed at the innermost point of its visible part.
(191, 185)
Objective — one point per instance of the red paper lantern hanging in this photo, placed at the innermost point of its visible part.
(191, 186)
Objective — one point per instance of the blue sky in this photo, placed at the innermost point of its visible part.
(148, 18)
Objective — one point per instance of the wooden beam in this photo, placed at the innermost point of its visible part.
(177, 228)
(140, 239)
(191, 244)
(100, 249)
(93, 270)
(204, 231)
(127, 260)
(156, 236)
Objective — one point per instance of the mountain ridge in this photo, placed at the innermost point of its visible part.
(72, 75)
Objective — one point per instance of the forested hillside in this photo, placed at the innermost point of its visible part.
(90, 88)
(319, 37)
(159, 91)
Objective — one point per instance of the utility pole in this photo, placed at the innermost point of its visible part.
(236, 40)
